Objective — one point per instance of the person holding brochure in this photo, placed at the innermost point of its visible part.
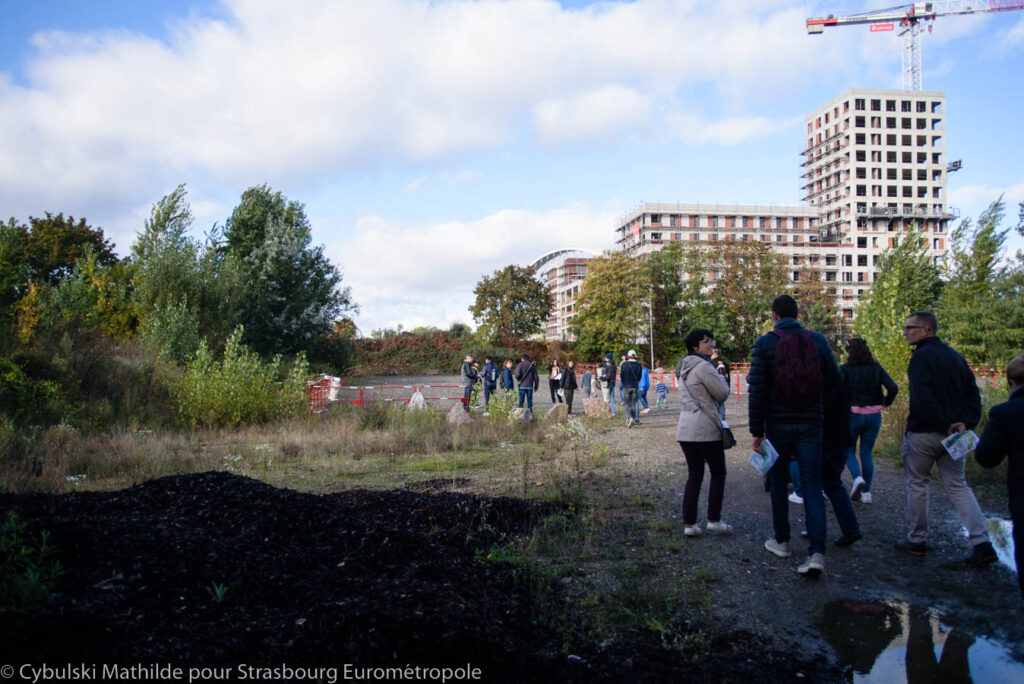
(1004, 438)
(699, 431)
(944, 400)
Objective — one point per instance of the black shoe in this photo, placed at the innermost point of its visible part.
(848, 539)
(982, 554)
(913, 548)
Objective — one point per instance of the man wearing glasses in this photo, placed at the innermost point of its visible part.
(944, 399)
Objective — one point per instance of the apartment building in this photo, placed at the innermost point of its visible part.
(875, 166)
(562, 271)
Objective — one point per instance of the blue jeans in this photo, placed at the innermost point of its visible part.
(468, 391)
(794, 475)
(526, 394)
(832, 471)
(802, 443)
(864, 427)
(489, 389)
(643, 398)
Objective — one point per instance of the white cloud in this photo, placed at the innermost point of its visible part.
(431, 278)
(972, 200)
(290, 91)
(591, 113)
(695, 130)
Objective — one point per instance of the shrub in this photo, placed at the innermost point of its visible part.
(25, 399)
(240, 389)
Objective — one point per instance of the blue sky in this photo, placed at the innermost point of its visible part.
(435, 142)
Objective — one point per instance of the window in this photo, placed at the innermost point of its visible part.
(656, 236)
(830, 260)
(876, 105)
(905, 106)
(830, 276)
(847, 277)
(861, 156)
(858, 139)
(862, 259)
(858, 122)
(847, 260)
(890, 157)
(890, 122)
(890, 174)
(778, 223)
(906, 122)
(859, 105)
(890, 105)
(862, 243)
(796, 276)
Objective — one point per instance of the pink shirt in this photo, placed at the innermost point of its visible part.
(866, 410)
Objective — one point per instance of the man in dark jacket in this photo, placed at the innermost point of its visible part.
(1004, 438)
(795, 430)
(630, 373)
(608, 382)
(944, 399)
(526, 375)
(490, 374)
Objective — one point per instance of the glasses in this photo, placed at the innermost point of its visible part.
(911, 327)
(711, 342)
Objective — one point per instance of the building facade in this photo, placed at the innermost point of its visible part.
(562, 271)
(874, 167)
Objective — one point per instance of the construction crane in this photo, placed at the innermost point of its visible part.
(911, 20)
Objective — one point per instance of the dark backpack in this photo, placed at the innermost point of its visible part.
(602, 372)
(798, 379)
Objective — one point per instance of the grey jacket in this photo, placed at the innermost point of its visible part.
(708, 388)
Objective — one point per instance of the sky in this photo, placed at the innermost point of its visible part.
(433, 143)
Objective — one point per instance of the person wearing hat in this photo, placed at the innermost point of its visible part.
(630, 374)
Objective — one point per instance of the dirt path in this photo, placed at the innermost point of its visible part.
(757, 591)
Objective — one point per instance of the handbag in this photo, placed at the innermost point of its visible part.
(728, 439)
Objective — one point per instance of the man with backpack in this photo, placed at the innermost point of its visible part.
(791, 371)
(490, 375)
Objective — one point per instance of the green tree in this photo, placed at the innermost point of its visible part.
(665, 275)
(185, 289)
(749, 275)
(981, 309)
(610, 312)
(14, 273)
(907, 281)
(817, 300)
(54, 244)
(290, 291)
(511, 304)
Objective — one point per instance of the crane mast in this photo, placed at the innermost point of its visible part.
(911, 21)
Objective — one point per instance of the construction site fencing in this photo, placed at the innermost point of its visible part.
(324, 390)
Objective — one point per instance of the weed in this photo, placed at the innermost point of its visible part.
(218, 592)
(27, 573)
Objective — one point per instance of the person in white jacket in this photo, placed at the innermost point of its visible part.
(699, 431)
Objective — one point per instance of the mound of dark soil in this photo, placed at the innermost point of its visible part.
(216, 569)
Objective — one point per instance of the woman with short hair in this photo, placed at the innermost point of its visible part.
(699, 431)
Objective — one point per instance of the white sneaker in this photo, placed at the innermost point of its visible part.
(814, 566)
(629, 422)
(693, 530)
(858, 486)
(865, 497)
(720, 527)
(794, 498)
(780, 549)
(645, 411)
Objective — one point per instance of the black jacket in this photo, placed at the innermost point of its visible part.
(943, 390)
(764, 405)
(569, 379)
(864, 382)
(1004, 438)
(630, 373)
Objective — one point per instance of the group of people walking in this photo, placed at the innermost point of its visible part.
(813, 413)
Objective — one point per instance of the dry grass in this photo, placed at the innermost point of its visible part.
(378, 447)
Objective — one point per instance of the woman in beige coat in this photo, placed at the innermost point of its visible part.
(699, 431)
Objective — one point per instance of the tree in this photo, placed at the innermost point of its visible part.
(185, 289)
(981, 305)
(511, 304)
(907, 281)
(749, 276)
(14, 273)
(817, 300)
(665, 275)
(290, 292)
(54, 244)
(610, 313)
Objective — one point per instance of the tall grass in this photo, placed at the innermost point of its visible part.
(377, 445)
